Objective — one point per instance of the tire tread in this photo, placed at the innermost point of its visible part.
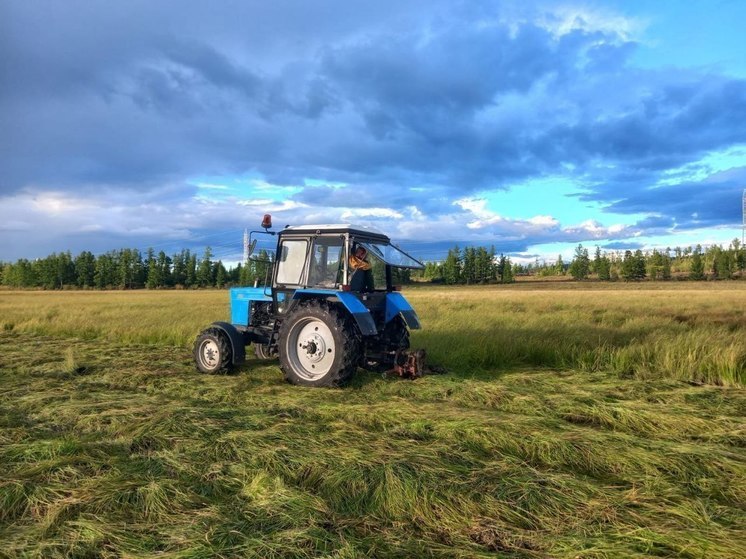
(226, 362)
(350, 343)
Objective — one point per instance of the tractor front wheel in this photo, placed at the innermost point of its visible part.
(319, 346)
(212, 352)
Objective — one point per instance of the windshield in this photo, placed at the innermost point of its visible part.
(392, 255)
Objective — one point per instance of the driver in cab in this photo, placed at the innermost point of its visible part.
(362, 275)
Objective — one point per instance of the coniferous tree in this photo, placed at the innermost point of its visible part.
(655, 265)
(153, 279)
(559, 266)
(603, 268)
(469, 269)
(596, 261)
(433, 272)
(139, 273)
(220, 274)
(667, 266)
(451, 267)
(179, 272)
(262, 267)
(722, 263)
(46, 271)
(507, 271)
(628, 266)
(65, 269)
(190, 279)
(697, 271)
(580, 266)
(85, 269)
(205, 269)
(492, 275)
(246, 276)
(126, 263)
(105, 272)
(639, 265)
(163, 262)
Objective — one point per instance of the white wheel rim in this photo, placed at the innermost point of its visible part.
(209, 354)
(311, 348)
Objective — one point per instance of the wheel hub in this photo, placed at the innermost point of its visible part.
(314, 348)
(210, 353)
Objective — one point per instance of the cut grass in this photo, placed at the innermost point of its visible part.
(110, 447)
(692, 332)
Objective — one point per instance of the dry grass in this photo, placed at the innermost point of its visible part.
(686, 331)
(563, 429)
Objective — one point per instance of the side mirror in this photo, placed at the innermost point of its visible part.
(252, 246)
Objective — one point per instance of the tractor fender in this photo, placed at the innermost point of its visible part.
(238, 346)
(359, 312)
(396, 304)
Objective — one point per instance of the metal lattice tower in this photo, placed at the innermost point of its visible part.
(245, 246)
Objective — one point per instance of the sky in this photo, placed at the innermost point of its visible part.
(527, 126)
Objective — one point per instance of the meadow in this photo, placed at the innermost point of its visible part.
(574, 420)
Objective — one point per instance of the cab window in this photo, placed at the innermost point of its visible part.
(291, 262)
(327, 262)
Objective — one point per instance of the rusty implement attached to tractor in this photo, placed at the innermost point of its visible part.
(410, 363)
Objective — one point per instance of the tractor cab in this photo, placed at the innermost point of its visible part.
(330, 278)
(324, 256)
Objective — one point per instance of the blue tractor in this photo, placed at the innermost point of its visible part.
(328, 307)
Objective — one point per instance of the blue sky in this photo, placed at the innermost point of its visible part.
(530, 126)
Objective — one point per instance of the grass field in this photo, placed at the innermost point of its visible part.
(574, 421)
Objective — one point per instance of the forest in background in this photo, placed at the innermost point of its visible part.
(132, 269)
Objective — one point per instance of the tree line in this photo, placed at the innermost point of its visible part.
(481, 265)
(130, 269)
(133, 269)
(469, 266)
(715, 262)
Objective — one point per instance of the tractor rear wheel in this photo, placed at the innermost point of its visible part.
(212, 352)
(319, 346)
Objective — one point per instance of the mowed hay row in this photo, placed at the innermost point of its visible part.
(689, 332)
(133, 454)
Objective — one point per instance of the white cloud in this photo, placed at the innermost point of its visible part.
(56, 203)
(562, 20)
(544, 220)
(370, 212)
(269, 206)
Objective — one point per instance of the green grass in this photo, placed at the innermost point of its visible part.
(566, 427)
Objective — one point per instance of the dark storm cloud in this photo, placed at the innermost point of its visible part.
(449, 102)
(151, 92)
(710, 202)
(432, 200)
(389, 97)
(668, 126)
(133, 101)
